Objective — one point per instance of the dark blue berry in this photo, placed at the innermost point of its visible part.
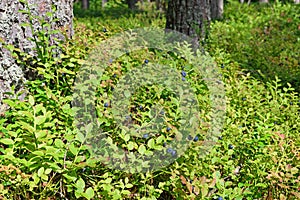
(146, 61)
(168, 128)
(230, 146)
(115, 75)
(183, 79)
(244, 98)
(127, 117)
(169, 150)
(173, 153)
(190, 137)
(196, 139)
(141, 107)
(222, 66)
(291, 103)
(220, 198)
(104, 30)
(183, 73)
(106, 105)
(146, 135)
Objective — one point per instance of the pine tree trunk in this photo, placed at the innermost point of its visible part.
(132, 4)
(11, 32)
(190, 17)
(216, 9)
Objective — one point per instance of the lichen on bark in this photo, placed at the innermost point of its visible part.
(13, 33)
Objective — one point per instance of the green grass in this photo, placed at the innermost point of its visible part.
(256, 156)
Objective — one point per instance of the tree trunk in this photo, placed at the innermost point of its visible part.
(85, 4)
(11, 32)
(192, 17)
(216, 9)
(132, 4)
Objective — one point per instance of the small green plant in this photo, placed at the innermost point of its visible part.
(267, 40)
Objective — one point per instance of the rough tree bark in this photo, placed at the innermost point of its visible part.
(11, 32)
(192, 17)
(132, 4)
(216, 9)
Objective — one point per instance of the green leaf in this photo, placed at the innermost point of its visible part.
(78, 194)
(44, 177)
(40, 120)
(69, 178)
(160, 139)
(151, 143)
(142, 149)
(40, 134)
(79, 159)
(129, 185)
(41, 171)
(80, 137)
(59, 143)
(6, 141)
(31, 100)
(294, 170)
(126, 192)
(127, 138)
(48, 171)
(130, 146)
(80, 184)
(26, 126)
(66, 71)
(89, 193)
(127, 93)
(73, 149)
(39, 108)
(9, 102)
(38, 153)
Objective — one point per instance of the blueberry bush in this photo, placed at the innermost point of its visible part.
(257, 155)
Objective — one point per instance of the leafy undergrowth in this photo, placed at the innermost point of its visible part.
(265, 38)
(42, 155)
